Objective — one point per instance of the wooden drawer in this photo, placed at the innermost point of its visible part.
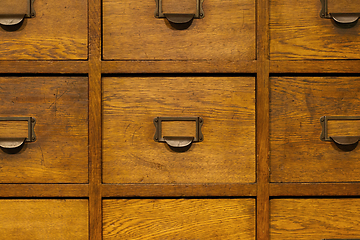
(226, 33)
(298, 32)
(226, 105)
(296, 106)
(60, 107)
(179, 219)
(59, 31)
(314, 219)
(44, 219)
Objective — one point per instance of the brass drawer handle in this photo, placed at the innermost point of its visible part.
(16, 141)
(13, 12)
(349, 19)
(351, 141)
(180, 20)
(178, 143)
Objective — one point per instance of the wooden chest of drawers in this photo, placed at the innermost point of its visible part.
(194, 119)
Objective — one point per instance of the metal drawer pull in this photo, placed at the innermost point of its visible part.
(180, 20)
(340, 140)
(178, 143)
(13, 12)
(15, 141)
(342, 18)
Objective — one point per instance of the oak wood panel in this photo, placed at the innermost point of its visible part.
(315, 219)
(179, 190)
(179, 219)
(14, 129)
(44, 219)
(44, 190)
(297, 32)
(316, 66)
(343, 6)
(175, 6)
(343, 127)
(60, 107)
(227, 105)
(226, 33)
(314, 189)
(297, 153)
(178, 67)
(40, 67)
(59, 31)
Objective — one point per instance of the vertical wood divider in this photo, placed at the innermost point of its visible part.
(262, 121)
(95, 195)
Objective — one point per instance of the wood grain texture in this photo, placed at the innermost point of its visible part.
(44, 219)
(178, 67)
(314, 189)
(44, 190)
(179, 219)
(179, 190)
(59, 31)
(14, 129)
(38, 67)
(315, 219)
(226, 33)
(297, 153)
(316, 66)
(297, 32)
(343, 6)
(60, 107)
(227, 154)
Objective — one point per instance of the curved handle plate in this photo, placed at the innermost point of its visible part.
(13, 142)
(340, 18)
(340, 140)
(180, 19)
(13, 12)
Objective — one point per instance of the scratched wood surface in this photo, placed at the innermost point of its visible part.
(297, 32)
(60, 107)
(296, 104)
(58, 32)
(179, 219)
(309, 219)
(44, 219)
(226, 33)
(227, 106)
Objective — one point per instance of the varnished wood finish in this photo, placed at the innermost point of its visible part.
(327, 66)
(39, 67)
(226, 33)
(297, 33)
(44, 219)
(314, 189)
(179, 190)
(179, 67)
(343, 6)
(179, 219)
(44, 190)
(58, 32)
(227, 106)
(60, 107)
(14, 129)
(315, 219)
(297, 153)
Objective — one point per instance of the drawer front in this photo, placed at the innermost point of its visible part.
(298, 32)
(59, 31)
(314, 219)
(226, 154)
(44, 219)
(179, 219)
(296, 106)
(60, 107)
(226, 33)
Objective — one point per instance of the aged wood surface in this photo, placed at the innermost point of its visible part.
(44, 190)
(227, 106)
(60, 107)
(297, 153)
(179, 190)
(226, 33)
(315, 219)
(316, 66)
(14, 129)
(343, 127)
(343, 6)
(59, 31)
(297, 32)
(39, 67)
(44, 219)
(179, 219)
(179, 67)
(314, 189)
